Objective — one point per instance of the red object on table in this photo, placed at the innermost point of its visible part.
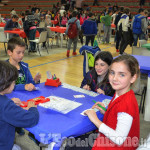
(53, 82)
(21, 33)
(37, 100)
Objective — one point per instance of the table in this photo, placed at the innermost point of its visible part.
(2, 24)
(144, 62)
(146, 46)
(60, 30)
(53, 125)
(19, 32)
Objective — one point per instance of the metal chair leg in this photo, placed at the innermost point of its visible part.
(46, 48)
(38, 49)
(145, 89)
(40, 148)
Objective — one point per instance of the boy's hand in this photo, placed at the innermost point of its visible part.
(30, 104)
(37, 78)
(87, 87)
(17, 101)
(14, 28)
(30, 87)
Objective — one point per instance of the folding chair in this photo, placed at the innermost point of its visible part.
(141, 82)
(42, 24)
(3, 38)
(42, 38)
(50, 35)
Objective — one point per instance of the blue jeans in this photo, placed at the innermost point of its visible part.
(136, 36)
(90, 38)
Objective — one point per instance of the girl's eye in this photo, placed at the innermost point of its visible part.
(111, 73)
(102, 64)
(122, 75)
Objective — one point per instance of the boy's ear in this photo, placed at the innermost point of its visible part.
(9, 52)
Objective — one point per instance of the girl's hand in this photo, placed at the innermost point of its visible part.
(37, 78)
(100, 91)
(87, 87)
(17, 101)
(99, 108)
(93, 117)
(30, 87)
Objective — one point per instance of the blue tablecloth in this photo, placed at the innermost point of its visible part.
(144, 62)
(53, 126)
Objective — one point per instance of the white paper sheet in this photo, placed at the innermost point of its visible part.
(77, 89)
(60, 104)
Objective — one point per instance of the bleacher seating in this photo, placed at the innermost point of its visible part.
(23, 4)
(48, 4)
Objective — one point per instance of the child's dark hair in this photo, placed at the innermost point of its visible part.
(104, 56)
(107, 58)
(8, 74)
(15, 16)
(13, 42)
(131, 63)
(90, 14)
(74, 13)
(126, 11)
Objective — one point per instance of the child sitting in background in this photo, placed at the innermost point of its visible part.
(11, 115)
(97, 78)
(16, 50)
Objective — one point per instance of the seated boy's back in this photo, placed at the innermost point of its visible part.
(11, 115)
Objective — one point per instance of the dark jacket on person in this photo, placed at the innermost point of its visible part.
(91, 80)
(89, 27)
(28, 76)
(10, 25)
(12, 116)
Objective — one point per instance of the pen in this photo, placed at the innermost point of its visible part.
(54, 76)
(100, 106)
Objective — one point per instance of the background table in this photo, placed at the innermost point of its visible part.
(55, 123)
(146, 46)
(2, 24)
(144, 62)
(60, 30)
(21, 33)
